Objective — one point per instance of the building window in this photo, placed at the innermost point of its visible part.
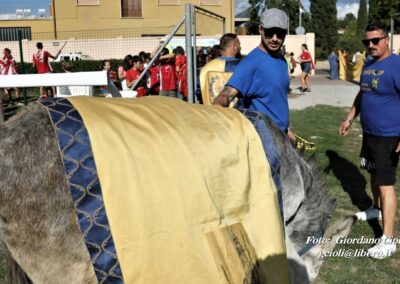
(131, 8)
(169, 2)
(11, 33)
(88, 2)
(210, 2)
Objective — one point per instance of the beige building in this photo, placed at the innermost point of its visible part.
(124, 18)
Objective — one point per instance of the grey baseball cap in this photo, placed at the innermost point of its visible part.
(274, 18)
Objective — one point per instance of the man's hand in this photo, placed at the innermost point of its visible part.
(344, 128)
(292, 136)
(398, 148)
(226, 96)
(354, 111)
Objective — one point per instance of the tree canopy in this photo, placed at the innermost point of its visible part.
(362, 18)
(382, 10)
(349, 17)
(324, 21)
(291, 7)
(350, 40)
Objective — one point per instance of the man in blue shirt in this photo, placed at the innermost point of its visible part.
(378, 103)
(334, 65)
(261, 80)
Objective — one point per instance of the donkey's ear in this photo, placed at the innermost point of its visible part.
(341, 228)
(314, 257)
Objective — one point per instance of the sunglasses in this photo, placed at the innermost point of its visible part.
(374, 40)
(280, 33)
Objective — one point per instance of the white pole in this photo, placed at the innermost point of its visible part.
(299, 15)
(189, 51)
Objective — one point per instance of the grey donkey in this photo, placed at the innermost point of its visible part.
(51, 246)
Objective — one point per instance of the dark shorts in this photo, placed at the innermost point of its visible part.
(378, 156)
(306, 67)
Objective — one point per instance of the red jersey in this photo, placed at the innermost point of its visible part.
(306, 55)
(8, 66)
(182, 75)
(153, 82)
(180, 62)
(113, 78)
(112, 75)
(132, 75)
(167, 77)
(41, 60)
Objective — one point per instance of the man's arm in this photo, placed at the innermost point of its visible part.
(354, 111)
(226, 96)
(54, 56)
(130, 84)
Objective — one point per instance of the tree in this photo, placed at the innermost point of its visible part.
(323, 16)
(382, 10)
(256, 8)
(349, 17)
(362, 18)
(291, 7)
(350, 39)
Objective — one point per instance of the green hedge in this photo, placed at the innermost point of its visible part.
(79, 66)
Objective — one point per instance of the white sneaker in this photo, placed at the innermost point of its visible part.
(369, 214)
(385, 248)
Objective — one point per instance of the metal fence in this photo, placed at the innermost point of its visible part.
(113, 43)
(117, 43)
(89, 44)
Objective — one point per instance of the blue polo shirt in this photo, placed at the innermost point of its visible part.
(263, 84)
(380, 97)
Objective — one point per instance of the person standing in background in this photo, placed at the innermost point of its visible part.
(133, 74)
(306, 64)
(378, 103)
(215, 74)
(334, 65)
(181, 71)
(9, 67)
(41, 63)
(168, 81)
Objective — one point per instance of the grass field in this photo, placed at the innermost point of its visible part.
(338, 157)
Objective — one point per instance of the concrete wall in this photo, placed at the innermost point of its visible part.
(396, 43)
(156, 19)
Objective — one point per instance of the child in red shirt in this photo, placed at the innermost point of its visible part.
(41, 63)
(133, 74)
(106, 66)
(168, 82)
(153, 82)
(181, 71)
(9, 67)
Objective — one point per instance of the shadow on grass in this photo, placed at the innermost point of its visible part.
(351, 179)
(353, 183)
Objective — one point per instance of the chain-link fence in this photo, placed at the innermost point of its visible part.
(109, 43)
(86, 45)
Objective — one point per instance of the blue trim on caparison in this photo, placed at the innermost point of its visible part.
(80, 168)
(231, 64)
(271, 152)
